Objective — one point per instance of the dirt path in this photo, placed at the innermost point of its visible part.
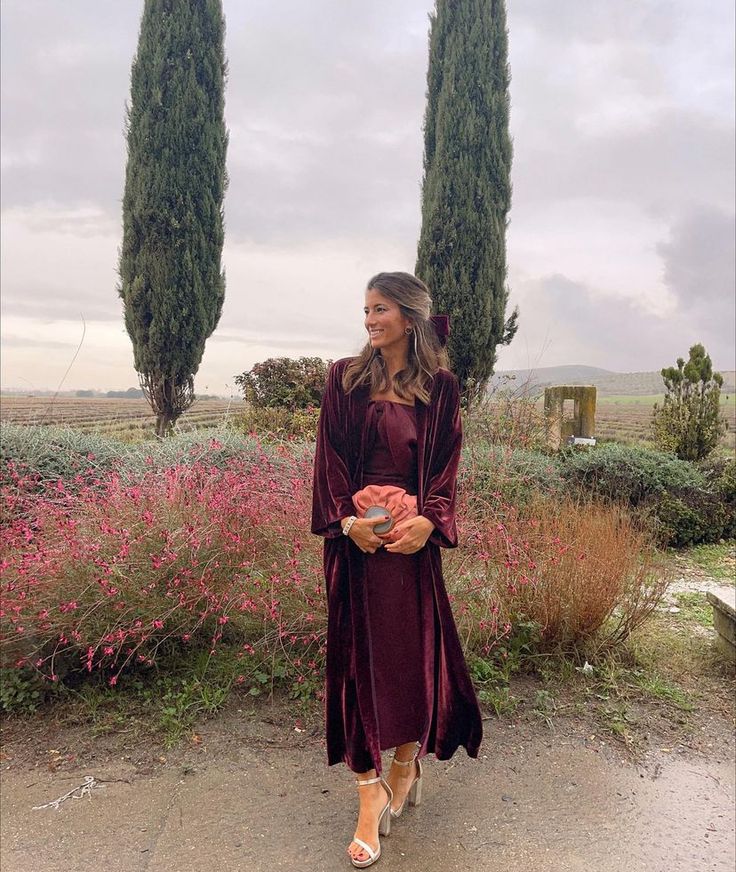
(250, 791)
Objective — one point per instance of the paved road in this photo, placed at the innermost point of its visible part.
(536, 801)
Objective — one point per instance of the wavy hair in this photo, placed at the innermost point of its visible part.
(426, 355)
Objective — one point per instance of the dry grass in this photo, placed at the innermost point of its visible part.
(585, 573)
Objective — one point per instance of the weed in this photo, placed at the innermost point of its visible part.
(717, 561)
(694, 606)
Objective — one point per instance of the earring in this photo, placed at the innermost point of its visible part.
(408, 330)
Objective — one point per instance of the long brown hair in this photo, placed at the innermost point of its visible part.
(426, 355)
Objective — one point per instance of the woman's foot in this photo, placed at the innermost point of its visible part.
(401, 778)
(373, 799)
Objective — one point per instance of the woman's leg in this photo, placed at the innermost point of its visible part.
(373, 798)
(400, 778)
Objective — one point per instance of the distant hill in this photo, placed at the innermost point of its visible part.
(609, 383)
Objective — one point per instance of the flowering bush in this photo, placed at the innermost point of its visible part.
(103, 573)
(101, 576)
(578, 569)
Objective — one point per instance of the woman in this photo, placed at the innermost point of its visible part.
(396, 677)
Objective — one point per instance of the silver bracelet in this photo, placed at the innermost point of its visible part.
(346, 529)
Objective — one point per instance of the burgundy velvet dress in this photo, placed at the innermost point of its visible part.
(395, 667)
(395, 587)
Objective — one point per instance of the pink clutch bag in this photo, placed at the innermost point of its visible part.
(377, 499)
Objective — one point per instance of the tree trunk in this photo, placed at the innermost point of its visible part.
(164, 424)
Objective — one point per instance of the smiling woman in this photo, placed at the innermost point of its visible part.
(396, 677)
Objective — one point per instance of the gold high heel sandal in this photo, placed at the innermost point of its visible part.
(415, 791)
(384, 825)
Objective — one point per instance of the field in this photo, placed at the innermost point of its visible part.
(122, 418)
(628, 418)
(624, 418)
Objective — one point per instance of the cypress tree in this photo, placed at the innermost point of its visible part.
(466, 192)
(171, 280)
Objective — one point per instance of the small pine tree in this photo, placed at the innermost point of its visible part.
(466, 193)
(689, 423)
(172, 284)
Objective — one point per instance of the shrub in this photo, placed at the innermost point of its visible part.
(689, 423)
(512, 475)
(686, 503)
(275, 423)
(77, 457)
(58, 452)
(281, 382)
(98, 580)
(680, 524)
(628, 473)
(506, 417)
(694, 515)
(113, 576)
(579, 571)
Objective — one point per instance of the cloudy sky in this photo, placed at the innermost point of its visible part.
(621, 236)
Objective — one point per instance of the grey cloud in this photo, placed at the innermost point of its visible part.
(276, 340)
(597, 20)
(64, 85)
(325, 102)
(49, 304)
(683, 156)
(574, 321)
(700, 269)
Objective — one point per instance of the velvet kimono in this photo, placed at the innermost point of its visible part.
(351, 705)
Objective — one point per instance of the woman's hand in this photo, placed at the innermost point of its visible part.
(413, 534)
(362, 533)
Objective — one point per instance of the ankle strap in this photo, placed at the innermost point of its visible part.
(368, 781)
(406, 762)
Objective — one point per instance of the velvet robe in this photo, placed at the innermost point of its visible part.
(350, 704)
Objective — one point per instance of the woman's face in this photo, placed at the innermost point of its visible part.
(384, 322)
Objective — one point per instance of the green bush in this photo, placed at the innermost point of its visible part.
(58, 452)
(21, 691)
(725, 487)
(514, 474)
(62, 452)
(690, 423)
(687, 503)
(679, 524)
(279, 423)
(628, 473)
(285, 383)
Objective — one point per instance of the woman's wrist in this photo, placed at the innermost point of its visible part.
(430, 524)
(346, 524)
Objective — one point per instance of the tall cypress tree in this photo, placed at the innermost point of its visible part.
(172, 283)
(466, 193)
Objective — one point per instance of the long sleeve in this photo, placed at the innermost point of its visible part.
(441, 490)
(332, 488)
